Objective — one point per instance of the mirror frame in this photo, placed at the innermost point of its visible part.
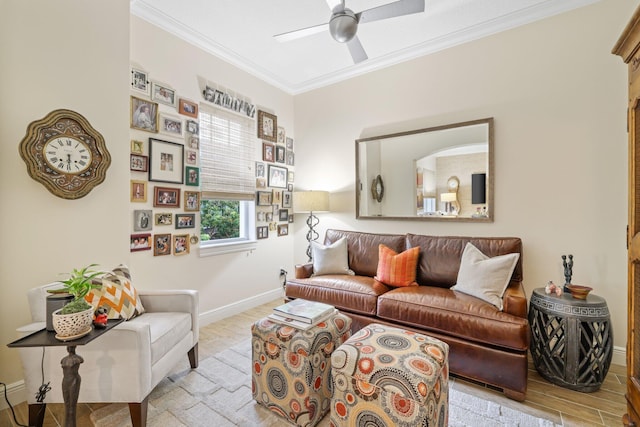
(490, 174)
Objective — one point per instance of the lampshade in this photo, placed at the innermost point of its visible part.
(478, 188)
(311, 201)
(448, 197)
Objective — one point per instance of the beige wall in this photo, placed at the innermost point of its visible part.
(558, 99)
(64, 54)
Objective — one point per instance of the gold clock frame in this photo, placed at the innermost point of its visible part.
(68, 123)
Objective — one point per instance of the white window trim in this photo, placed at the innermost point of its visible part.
(240, 244)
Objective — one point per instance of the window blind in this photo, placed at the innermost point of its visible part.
(227, 155)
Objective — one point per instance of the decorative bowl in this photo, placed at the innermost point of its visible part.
(71, 325)
(579, 291)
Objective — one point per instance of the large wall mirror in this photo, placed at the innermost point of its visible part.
(442, 173)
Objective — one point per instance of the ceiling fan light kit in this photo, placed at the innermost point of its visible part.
(343, 24)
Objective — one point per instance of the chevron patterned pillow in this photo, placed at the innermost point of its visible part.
(117, 294)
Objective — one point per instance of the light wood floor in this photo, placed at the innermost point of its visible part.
(564, 407)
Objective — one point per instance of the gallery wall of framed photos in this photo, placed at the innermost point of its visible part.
(164, 166)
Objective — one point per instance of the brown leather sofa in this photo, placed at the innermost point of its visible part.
(486, 344)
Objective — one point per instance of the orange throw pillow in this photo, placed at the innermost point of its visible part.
(397, 269)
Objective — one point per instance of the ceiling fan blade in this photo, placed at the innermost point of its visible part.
(397, 8)
(304, 32)
(335, 5)
(356, 50)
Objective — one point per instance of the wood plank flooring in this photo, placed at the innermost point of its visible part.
(564, 407)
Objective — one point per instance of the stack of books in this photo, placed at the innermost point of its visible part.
(301, 314)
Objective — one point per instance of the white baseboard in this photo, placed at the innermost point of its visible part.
(619, 356)
(16, 393)
(239, 306)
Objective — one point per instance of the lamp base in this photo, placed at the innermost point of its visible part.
(312, 234)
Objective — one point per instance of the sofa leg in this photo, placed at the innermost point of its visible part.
(193, 356)
(138, 412)
(515, 395)
(36, 414)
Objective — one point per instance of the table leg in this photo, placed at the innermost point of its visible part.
(70, 384)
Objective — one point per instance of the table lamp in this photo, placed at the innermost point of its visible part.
(448, 199)
(311, 201)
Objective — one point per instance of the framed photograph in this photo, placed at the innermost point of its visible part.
(139, 163)
(290, 186)
(286, 199)
(137, 147)
(267, 126)
(166, 161)
(268, 217)
(290, 176)
(192, 176)
(191, 157)
(192, 127)
(144, 115)
(140, 242)
(281, 135)
(260, 217)
(289, 143)
(268, 152)
(275, 208)
(261, 183)
(184, 220)
(290, 218)
(140, 81)
(163, 94)
(142, 220)
(263, 198)
(166, 197)
(188, 108)
(280, 154)
(138, 191)
(163, 218)
(283, 215)
(194, 142)
(290, 158)
(192, 201)
(283, 230)
(180, 244)
(276, 198)
(194, 239)
(262, 232)
(170, 125)
(161, 244)
(277, 176)
(260, 170)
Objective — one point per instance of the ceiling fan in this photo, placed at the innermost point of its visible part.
(343, 23)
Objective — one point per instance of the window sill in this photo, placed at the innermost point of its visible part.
(212, 249)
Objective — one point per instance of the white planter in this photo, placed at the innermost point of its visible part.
(68, 325)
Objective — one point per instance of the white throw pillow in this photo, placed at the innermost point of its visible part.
(484, 277)
(332, 259)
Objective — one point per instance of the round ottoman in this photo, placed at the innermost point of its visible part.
(385, 376)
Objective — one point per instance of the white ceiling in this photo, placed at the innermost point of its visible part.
(241, 32)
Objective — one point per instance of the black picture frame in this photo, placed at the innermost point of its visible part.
(166, 161)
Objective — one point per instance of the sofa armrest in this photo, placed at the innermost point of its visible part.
(174, 300)
(514, 300)
(304, 271)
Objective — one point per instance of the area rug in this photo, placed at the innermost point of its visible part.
(218, 393)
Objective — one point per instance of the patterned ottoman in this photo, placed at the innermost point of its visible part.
(291, 368)
(384, 376)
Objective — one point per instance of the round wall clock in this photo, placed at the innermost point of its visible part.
(65, 153)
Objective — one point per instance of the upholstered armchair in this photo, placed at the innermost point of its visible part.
(123, 365)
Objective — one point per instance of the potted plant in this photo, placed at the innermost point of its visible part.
(76, 316)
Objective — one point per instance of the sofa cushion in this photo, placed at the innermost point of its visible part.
(397, 269)
(485, 277)
(330, 259)
(363, 248)
(166, 329)
(441, 256)
(455, 314)
(118, 294)
(357, 294)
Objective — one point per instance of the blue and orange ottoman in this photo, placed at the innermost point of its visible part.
(385, 376)
(291, 368)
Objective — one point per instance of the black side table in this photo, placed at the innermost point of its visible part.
(571, 339)
(70, 365)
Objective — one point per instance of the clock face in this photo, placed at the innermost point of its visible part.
(67, 155)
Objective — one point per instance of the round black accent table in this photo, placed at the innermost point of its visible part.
(571, 339)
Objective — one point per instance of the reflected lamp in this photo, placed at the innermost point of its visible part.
(311, 201)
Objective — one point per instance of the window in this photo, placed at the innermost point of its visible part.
(227, 156)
